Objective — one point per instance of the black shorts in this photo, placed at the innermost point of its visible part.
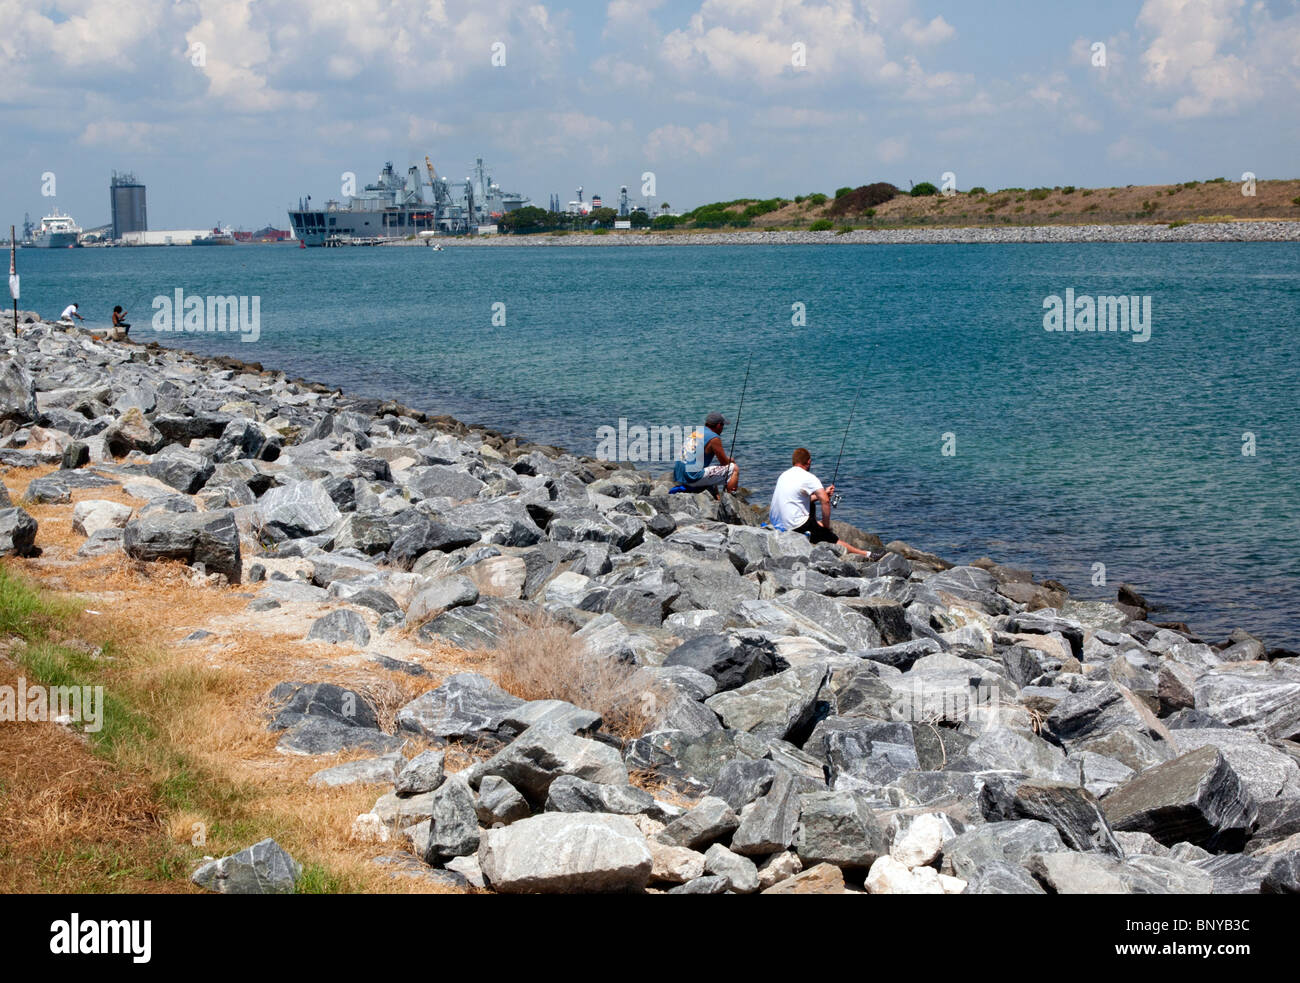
(817, 533)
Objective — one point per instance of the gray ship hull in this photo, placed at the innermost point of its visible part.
(53, 240)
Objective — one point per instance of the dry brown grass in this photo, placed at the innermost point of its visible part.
(542, 660)
(69, 821)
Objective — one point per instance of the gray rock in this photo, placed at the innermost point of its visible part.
(290, 702)
(209, 538)
(1090, 873)
(467, 706)
(316, 735)
(838, 828)
(999, 877)
(741, 781)
(442, 595)
(739, 872)
(781, 707)
(17, 392)
(1268, 705)
(264, 868)
(367, 771)
(1266, 772)
(568, 793)
(499, 802)
(560, 852)
(708, 884)
(544, 752)
(1011, 842)
(424, 536)
(1197, 798)
(185, 470)
(17, 532)
(729, 661)
(339, 627)
(453, 825)
(710, 820)
(303, 508)
(769, 824)
(1099, 710)
(1072, 810)
(423, 773)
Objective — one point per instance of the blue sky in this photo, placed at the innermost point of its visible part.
(287, 95)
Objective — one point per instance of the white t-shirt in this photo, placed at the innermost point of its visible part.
(792, 498)
(68, 312)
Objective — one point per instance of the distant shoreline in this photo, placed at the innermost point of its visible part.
(1253, 231)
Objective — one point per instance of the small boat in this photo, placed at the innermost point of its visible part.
(217, 237)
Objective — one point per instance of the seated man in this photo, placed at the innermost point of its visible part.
(792, 504)
(696, 470)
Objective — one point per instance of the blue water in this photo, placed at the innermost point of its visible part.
(1071, 450)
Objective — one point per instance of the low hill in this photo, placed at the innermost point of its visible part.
(881, 205)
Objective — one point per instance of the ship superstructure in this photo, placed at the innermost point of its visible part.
(396, 207)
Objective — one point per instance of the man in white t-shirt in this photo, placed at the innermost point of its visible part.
(793, 499)
(69, 313)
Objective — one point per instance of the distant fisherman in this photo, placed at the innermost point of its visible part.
(69, 313)
(701, 448)
(793, 504)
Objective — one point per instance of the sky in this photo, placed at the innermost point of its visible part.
(230, 110)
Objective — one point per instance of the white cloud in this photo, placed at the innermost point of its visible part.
(675, 142)
(932, 33)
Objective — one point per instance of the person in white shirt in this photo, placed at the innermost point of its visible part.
(793, 499)
(69, 313)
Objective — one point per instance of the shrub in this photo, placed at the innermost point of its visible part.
(1020, 208)
(1149, 206)
(1296, 200)
(1213, 180)
(817, 199)
(923, 189)
(1068, 189)
(842, 229)
(1039, 194)
(860, 199)
(1177, 225)
(798, 199)
(870, 213)
(1171, 191)
(540, 659)
(841, 192)
(977, 190)
(666, 222)
(821, 225)
(1085, 192)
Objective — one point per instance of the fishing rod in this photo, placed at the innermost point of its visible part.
(835, 499)
(736, 430)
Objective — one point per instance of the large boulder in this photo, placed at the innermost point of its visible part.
(545, 751)
(467, 706)
(559, 852)
(17, 392)
(303, 508)
(729, 660)
(17, 532)
(209, 538)
(1196, 798)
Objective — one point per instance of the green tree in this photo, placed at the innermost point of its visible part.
(603, 217)
(639, 220)
(924, 188)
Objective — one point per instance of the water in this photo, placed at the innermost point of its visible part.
(1071, 450)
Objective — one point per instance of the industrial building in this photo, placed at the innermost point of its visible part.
(126, 200)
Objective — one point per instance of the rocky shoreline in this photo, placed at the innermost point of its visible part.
(1254, 231)
(805, 722)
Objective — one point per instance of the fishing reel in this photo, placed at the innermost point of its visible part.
(835, 500)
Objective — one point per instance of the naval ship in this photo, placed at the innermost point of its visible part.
(397, 208)
(56, 232)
